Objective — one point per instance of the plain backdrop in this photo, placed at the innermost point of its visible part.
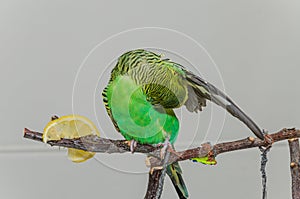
(255, 46)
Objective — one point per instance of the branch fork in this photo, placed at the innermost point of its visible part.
(97, 144)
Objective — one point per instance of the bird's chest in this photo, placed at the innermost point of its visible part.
(134, 114)
(131, 109)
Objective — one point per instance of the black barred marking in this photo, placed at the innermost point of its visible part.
(157, 77)
(151, 72)
(108, 110)
(134, 60)
(170, 85)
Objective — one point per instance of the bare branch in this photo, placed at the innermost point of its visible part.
(92, 143)
(295, 167)
(153, 184)
(251, 142)
(97, 144)
(102, 145)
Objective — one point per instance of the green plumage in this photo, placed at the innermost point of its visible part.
(143, 91)
(136, 117)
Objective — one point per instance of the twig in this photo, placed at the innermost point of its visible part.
(97, 144)
(102, 145)
(251, 142)
(264, 160)
(92, 143)
(295, 167)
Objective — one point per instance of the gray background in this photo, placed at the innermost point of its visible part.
(254, 43)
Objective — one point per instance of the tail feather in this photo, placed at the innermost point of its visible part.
(175, 174)
(204, 89)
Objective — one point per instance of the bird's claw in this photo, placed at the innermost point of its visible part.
(132, 144)
(166, 147)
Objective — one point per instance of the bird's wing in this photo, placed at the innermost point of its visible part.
(163, 84)
(202, 90)
(195, 101)
(195, 96)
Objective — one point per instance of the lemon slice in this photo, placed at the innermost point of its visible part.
(71, 126)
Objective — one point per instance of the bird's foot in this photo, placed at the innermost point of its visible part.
(132, 144)
(165, 146)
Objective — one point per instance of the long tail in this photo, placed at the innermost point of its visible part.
(204, 89)
(175, 174)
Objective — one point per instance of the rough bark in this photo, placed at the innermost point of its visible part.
(102, 145)
(295, 167)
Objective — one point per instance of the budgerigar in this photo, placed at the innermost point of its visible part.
(144, 89)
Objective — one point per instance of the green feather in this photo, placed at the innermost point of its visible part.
(205, 160)
(136, 117)
(144, 89)
(175, 174)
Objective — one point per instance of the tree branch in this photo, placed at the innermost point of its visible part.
(97, 144)
(94, 143)
(295, 167)
(153, 184)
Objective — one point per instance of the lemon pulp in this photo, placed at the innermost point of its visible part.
(71, 126)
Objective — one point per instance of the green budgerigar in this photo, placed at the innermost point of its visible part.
(143, 92)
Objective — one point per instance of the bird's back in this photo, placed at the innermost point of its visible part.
(161, 80)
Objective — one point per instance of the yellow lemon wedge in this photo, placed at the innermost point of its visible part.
(71, 126)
